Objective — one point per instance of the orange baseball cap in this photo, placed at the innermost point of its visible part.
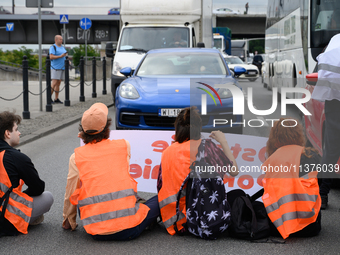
(94, 119)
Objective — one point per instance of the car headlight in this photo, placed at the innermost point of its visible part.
(224, 93)
(116, 68)
(126, 90)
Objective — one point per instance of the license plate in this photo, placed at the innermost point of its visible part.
(169, 112)
(251, 72)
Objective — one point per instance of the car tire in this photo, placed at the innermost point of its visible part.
(253, 79)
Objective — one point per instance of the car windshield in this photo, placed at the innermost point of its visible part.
(233, 61)
(147, 38)
(182, 63)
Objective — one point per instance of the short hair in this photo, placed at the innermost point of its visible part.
(287, 135)
(188, 125)
(7, 121)
(105, 134)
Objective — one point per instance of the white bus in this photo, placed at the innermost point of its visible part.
(296, 33)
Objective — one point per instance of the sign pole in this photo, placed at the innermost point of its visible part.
(40, 61)
(64, 28)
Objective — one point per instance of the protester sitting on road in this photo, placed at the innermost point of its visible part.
(177, 158)
(178, 41)
(19, 208)
(291, 191)
(100, 185)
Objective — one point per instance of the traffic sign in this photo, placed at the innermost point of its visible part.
(63, 19)
(85, 23)
(9, 26)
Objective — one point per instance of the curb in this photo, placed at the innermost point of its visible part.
(50, 129)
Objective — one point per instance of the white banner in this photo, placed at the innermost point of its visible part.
(147, 148)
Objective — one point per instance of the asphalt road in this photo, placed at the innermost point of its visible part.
(50, 154)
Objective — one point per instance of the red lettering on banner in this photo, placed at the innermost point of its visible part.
(159, 145)
(259, 180)
(230, 181)
(147, 169)
(154, 174)
(262, 154)
(236, 150)
(243, 178)
(135, 171)
(250, 152)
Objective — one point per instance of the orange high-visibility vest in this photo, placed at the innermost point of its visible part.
(19, 207)
(107, 196)
(176, 161)
(291, 202)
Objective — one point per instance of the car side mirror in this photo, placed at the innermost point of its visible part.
(239, 70)
(126, 71)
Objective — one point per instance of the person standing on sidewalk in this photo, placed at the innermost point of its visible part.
(247, 7)
(22, 208)
(57, 56)
(327, 90)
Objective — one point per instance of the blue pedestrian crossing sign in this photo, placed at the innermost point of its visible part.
(9, 26)
(85, 23)
(63, 19)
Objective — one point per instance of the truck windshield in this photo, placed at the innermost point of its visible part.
(325, 22)
(147, 38)
(218, 43)
(182, 63)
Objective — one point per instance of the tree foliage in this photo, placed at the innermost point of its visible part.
(17, 56)
(80, 51)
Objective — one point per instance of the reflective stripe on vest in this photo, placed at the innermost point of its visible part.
(16, 197)
(328, 67)
(168, 223)
(111, 215)
(106, 197)
(290, 198)
(293, 216)
(18, 212)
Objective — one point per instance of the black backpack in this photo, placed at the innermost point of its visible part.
(207, 208)
(249, 219)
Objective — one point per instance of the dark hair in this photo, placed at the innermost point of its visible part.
(188, 125)
(7, 121)
(280, 136)
(105, 134)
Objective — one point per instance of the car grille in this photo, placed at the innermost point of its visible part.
(128, 119)
(159, 121)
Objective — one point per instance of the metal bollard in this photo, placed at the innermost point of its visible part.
(94, 93)
(25, 113)
(81, 63)
(67, 83)
(48, 85)
(104, 76)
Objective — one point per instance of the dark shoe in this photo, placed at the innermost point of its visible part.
(324, 202)
(57, 101)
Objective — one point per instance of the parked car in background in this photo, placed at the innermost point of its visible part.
(225, 11)
(252, 72)
(168, 80)
(4, 11)
(45, 13)
(114, 11)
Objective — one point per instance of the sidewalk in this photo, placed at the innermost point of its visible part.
(41, 122)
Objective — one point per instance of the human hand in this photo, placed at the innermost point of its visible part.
(218, 136)
(66, 224)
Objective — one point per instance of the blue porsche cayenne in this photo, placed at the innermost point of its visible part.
(168, 80)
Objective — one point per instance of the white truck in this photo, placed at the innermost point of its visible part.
(152, 24)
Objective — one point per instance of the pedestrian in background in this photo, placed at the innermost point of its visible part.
(100, 186)
(57, 56)
(327, 90)
(22, 208)
(246, 6)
